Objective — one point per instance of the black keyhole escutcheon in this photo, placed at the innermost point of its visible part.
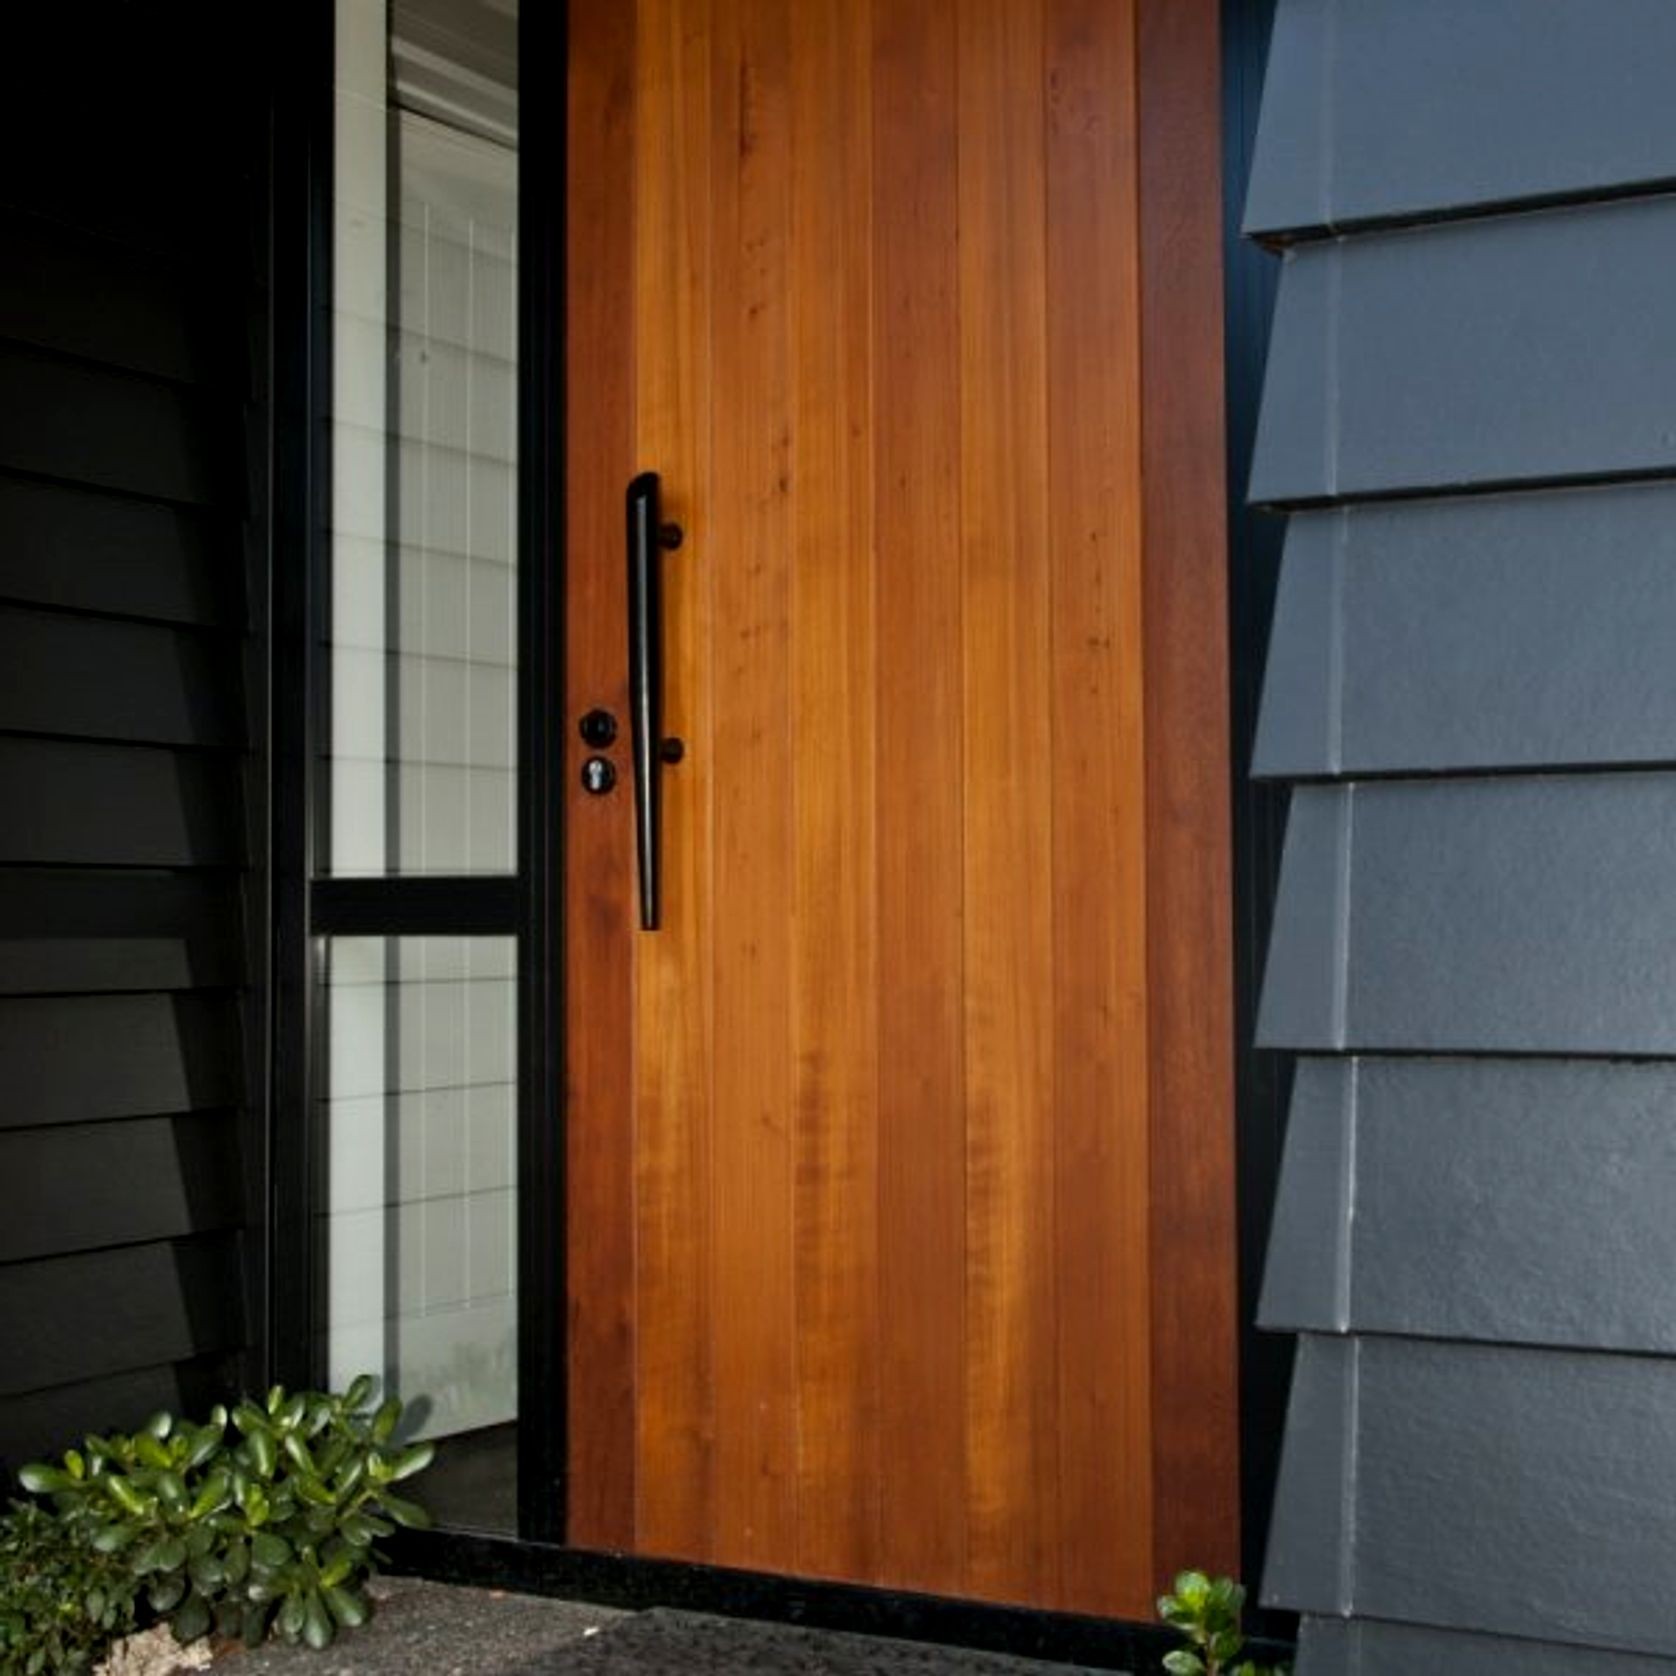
(598, 729)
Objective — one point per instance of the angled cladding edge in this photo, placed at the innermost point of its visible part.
(1307, 1276)
(1309, 1563)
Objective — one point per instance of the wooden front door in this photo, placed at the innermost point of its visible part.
(899, 1174)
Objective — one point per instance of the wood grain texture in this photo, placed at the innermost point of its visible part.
(921, 1170)
(751, 534)
(599, 1132)
(1189, 953)
(834, 716)
(673, 1036)
(1012, 1488)
(1099, 829)
(917, 789)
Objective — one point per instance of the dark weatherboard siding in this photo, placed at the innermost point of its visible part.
(1470, 412)
(130, 502)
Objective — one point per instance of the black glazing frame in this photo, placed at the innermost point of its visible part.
(299, 283)
(306, 909)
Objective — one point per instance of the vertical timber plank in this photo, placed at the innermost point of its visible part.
(1012, 1372)
(833, 912)
(598, 1115)
(1099, 894)
(755, 1337)
(1195, 1383)
(672, 969)
(922, 1234)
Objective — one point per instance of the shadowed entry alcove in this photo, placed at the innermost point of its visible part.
(870, 1218)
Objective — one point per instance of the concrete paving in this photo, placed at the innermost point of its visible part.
(668, 1643)
(433, 1629)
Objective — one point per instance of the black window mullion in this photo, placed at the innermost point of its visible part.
(543, 44)
(416, 907)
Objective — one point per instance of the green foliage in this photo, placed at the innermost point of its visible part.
(61, 1602)
(259, 1521)
(1207, 1613)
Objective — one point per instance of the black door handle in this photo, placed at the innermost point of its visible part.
(647, 535)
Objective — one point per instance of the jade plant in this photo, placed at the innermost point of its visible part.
(259, 1521)
(1206, 1613)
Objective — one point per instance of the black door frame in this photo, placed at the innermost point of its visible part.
(305, 908)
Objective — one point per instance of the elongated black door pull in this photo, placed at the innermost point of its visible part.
(647, 534)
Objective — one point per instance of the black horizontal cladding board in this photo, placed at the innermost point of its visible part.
(1520, 1492)
(1516, 1201)
(71, 801)
(115, 430)
(83, 1317)
(76, 930)
(1512, 349)
(42, 1424)
(1505, 915)
(1396, 108)
(1340, 1647)
(76, 675)
(102, 300)
(90, 551)
(123, 119)
(80, 1187)
(73, 1059)
(1498, 631)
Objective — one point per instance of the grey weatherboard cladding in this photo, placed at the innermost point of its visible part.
(1520, 348)
(1368, 676)
(1472, 687)
(1375, 112)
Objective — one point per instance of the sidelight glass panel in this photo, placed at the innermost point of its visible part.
(415, 1207)
(419, 1203)
(421, 656)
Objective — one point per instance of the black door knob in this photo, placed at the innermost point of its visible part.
(598, 776)
(598, 729)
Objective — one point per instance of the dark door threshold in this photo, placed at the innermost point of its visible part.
(637, 1584)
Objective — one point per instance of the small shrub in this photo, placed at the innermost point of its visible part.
(267, 1529)
(1207, 1613)
(61, 1602)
